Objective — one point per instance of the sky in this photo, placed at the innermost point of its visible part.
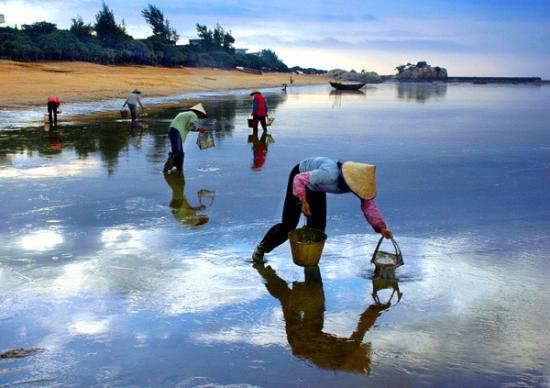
(468, 37)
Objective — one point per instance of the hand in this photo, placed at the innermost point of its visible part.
(305, 208)
(386, 233)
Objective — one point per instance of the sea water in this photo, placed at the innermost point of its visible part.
(123, 276)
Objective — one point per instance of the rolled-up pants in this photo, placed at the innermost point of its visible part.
(292, 209)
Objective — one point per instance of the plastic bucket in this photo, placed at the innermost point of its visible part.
(252, 123)
(123, 114)
(307, 246)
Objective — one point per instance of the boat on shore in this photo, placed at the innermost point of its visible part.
(343, 85)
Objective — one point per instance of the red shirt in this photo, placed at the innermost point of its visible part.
(54, 99)
(259, 105)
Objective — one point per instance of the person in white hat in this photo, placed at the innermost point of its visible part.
(179, 128)
(308, 183)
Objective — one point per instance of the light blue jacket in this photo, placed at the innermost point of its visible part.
(323, 174)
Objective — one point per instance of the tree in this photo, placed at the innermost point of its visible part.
(80, 29)
(108, 31)
(215, 39)
(40, 28)
(206, 35)
(159, 24)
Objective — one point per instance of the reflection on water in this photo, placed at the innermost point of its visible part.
(259, 148)
(97, 270)
(337, 96)
(181, 209)
(303, 307)
(421, 91)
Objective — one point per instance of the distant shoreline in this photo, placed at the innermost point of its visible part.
(28, 84)
(477, 80)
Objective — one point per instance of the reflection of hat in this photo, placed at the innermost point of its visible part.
(198, 109)
(255, 91)
(136, 91)
(361, 179)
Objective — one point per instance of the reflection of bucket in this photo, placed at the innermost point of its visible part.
(306, 245)
(206, 197)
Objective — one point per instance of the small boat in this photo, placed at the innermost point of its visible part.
(347, 85)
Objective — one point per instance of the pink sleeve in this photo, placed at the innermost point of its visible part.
(299, 185)
(372, 214)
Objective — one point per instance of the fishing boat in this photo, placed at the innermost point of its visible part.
(343, 85)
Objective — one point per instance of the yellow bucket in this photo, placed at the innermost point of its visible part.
(306, 245)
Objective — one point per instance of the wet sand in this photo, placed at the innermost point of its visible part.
(27, 84)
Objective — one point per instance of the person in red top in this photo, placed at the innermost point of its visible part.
(259, 110)
(53, 106)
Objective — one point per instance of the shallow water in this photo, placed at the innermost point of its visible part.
(124, 277)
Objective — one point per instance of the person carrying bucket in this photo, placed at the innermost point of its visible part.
(308, 183)
(179, 128)
(259, 110)
(132, 101)
(53, 109)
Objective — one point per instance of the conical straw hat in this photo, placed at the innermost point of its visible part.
(361, 179)
(198, 108)
(255, 91)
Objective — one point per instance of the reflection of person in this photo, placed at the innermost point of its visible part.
(308, 183)
(132, 101)
(53, 109)
(303, 310)
(181, 209)
(179, 128)
(259, 110)
(259, 150)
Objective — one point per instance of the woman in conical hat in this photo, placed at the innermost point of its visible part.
(308, 183)
(179, 128)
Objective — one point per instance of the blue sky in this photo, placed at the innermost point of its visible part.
(501, 38)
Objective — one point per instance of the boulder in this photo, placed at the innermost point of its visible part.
(421, 72)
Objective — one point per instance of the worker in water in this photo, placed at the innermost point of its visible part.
(132, 101)
(179, 128)
(303, 306)
(308, 183)
(53, 109)
(259, 110)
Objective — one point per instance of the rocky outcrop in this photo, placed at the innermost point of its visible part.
(369, 77)
(421, 72)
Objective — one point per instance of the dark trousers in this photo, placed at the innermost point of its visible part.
(52, 110)
(133, 111)
(292, 209)
(261, 120)
(177, 148)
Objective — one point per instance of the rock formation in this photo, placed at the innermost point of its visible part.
(420, 72)
(369, 77)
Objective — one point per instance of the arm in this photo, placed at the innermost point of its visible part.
(301, 181)
(299, 185)
(374, 218)
(254, 106)
(139, 102)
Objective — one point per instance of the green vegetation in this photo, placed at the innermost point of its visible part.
(107, 42)
(422, 71)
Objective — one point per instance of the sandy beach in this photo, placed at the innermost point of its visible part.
(30, 83)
